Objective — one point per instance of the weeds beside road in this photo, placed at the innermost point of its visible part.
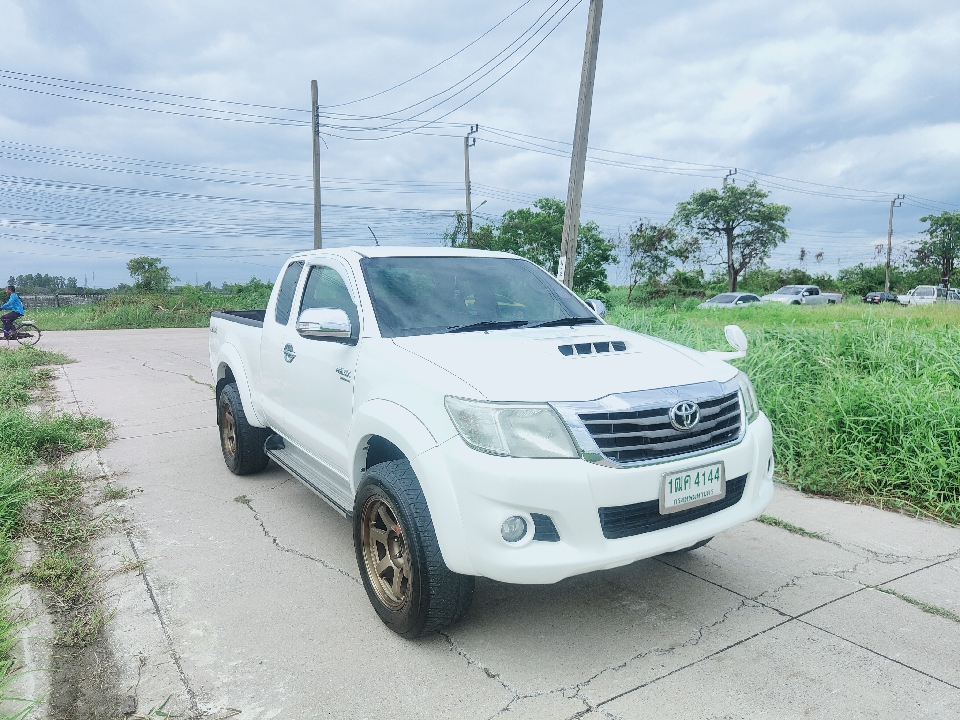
(30, 439)
(190, 307)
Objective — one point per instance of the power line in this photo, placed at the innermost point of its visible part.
(432, 67)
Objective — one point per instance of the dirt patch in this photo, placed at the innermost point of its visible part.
(84, 675)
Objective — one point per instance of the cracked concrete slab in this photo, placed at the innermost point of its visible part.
(896, 630)
(938, 585)
(792, 671)
(255, 606)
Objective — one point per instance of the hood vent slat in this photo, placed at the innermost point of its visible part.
(592, 348)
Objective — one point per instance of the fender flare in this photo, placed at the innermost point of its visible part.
(397, 424)
(230, 358)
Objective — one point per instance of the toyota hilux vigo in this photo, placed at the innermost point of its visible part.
(471, 416)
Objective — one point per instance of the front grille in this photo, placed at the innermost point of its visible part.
(643, 517)
(638, 435)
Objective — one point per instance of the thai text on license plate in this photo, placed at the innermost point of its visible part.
(691, 487)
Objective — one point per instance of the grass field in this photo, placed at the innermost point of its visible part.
(864, 400)
(190, 307)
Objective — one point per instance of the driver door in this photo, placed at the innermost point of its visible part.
(318, 383)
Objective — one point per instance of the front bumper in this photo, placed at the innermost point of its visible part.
(487, 489)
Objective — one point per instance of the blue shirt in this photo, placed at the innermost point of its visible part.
(13, 304)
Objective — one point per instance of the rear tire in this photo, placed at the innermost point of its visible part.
(409, 585)
(27, 332)
(241, 442)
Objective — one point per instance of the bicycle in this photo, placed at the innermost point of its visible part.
(25, 332)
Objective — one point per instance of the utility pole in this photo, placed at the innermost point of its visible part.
(468, 142)
(893, 203)
(578, 161)
(730, 174)
(315, 125)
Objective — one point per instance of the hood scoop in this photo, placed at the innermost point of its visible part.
(592, 348)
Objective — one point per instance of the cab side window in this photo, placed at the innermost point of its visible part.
(326, 288)
(288, 286)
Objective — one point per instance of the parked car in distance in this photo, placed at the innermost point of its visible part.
(923, 295)
(471, 416)
(953, 296)
(803, 295)
(879, 297)
(725, 300)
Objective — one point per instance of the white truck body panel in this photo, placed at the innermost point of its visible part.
(330, 398)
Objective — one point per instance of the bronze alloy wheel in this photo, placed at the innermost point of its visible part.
(228, 427)
(385, 552)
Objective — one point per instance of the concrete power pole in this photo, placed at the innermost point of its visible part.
(468, 142)
(315, 125)
(578, 161)
(893, 203)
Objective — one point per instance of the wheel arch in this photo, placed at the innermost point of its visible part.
(230, 368)
(381, 430)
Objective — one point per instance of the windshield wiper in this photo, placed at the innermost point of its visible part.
(564, 321)
(486, 325)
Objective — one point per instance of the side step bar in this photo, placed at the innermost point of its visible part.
(292, 461)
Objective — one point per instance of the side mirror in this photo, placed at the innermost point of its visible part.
(736, 337)
(324, 323)
(598, 307)
(804, 293)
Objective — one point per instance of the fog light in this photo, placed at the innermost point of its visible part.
(513, 529)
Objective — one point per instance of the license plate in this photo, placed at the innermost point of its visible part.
(691, 487)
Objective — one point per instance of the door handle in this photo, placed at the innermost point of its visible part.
(288, 353)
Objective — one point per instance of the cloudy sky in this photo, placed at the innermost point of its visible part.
(181, 129)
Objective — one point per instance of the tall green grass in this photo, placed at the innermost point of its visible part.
(189, 307)
(865, 403)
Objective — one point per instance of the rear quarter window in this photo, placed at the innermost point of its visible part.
(288, 288)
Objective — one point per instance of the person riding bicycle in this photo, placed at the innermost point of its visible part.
(15, 307)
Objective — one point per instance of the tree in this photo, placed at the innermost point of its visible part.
(746, 227)
(149, 275)
(535, 233)
(942, 246)
(650, 250)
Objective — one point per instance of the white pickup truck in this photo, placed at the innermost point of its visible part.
(802, 295)
(473, 417)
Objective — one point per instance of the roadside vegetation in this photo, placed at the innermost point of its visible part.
(35, 444)
(186, 306)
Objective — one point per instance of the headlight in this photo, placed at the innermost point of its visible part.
(750, 405)
(511, 429)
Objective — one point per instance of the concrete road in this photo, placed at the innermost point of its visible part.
(256, 605)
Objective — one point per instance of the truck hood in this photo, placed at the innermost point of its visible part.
(787, 299)
(545, 365)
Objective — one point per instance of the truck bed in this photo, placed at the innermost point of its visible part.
(244, 317)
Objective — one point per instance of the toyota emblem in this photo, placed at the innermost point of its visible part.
(685, 415)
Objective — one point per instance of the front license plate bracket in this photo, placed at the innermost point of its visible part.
(692, 486)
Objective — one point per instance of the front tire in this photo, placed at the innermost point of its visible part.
(27, 333)
(409, 585)
(241, 442)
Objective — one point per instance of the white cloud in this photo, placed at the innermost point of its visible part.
(859, 94)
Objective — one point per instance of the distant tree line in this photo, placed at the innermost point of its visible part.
(42, 283)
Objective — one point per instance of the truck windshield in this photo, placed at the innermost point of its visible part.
(429, 295)
(790, 290)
